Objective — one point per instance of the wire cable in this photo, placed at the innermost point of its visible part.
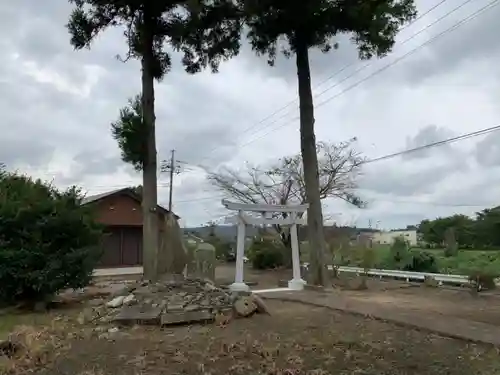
(454, 27)
(423, 147)
(363, 67)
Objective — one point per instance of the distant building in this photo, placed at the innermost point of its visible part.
(388, 237)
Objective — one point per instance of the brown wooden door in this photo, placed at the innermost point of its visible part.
(131, 246)
(112, 256)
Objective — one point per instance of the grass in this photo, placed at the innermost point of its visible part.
(465, 262)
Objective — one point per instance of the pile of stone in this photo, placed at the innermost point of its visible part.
(178, 300)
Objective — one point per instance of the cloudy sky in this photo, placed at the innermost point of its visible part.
(57, 105)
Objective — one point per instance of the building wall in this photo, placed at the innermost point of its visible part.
(120, 210)
(387, 238)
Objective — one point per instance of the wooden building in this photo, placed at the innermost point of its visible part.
(121, 213)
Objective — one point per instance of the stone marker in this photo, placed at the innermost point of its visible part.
(186, 317)
(172, 257)
(136, 314)
(245, 306)
(204, 261)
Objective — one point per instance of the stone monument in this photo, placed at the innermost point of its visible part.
(204, 261)
(173, 255)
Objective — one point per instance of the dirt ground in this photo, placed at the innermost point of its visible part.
(443, 301)
(295, 339)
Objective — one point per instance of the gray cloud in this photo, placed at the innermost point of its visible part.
(472, 42)
(487, 150)
(428, 135)
(57, 105)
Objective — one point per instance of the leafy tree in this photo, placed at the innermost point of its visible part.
(303, 25)
(434, 231)
(284, 182)
(205, 31)
(48, 241)
(487, 228)
(451, 246)
(131, 134)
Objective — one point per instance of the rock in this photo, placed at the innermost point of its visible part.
(192, 308)
(430, 282)
(261, 305)
(116, 302)
(175, 307)
(186, 317)
(129, 300)
(136, 314)
(86, 315)
(245, 306)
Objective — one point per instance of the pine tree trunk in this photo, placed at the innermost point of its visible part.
(150, 232)
(318, 274)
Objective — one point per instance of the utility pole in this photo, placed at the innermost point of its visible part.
(173, 168)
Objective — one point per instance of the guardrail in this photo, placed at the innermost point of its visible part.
(406, 275)
(410, 276)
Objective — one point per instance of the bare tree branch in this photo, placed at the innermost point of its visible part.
(283, 183)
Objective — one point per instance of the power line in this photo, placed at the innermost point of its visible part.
(423, 147)
(455, 26)
(352, 64)
(435, 144)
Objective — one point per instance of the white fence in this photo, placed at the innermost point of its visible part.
(410, 276)
(406, 275)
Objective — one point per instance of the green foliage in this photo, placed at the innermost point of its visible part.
(131, 134)
(265, 254)
(48, 241)
(479, 233)
(205, 31)
(419, 261)
(451, 246)
(223, 249)
(316, 23)
(368, 258)
(399, 250)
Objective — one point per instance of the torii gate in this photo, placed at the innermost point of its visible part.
(297, 283)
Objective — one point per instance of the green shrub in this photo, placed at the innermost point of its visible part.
(419, 261)
(399, 250)
(265, 254)
(48, 241)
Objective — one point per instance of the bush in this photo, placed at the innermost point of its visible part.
(265, 254)
(399, 250)
(48, 241)
(421, 262)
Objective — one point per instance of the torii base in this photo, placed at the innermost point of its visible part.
(239, 287)
(296, 284)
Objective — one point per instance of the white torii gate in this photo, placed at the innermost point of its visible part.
(297, 283)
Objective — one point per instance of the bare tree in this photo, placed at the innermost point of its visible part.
(284, 183)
